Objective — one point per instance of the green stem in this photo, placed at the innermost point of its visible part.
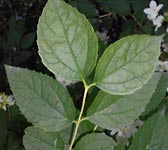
(80, 115)
(95, 128)
(139, 24)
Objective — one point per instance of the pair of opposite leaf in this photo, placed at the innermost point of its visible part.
(68, 47)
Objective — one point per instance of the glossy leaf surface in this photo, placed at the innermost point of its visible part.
(112, 111)
(42, 100)
(127, 64)
(67, 43)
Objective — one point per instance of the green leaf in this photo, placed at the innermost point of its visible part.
(86, 7)
(14, 38)
(153, 135)
(95, 141)
(84, 128)
(67, 43)
(121, 7)
(127, 64)
(37, 139)
(27, 40)
(12, 21)
(127, 29)
(114, 111)
(159, 94)
(121, 145)
(42, 100)
(139, 5)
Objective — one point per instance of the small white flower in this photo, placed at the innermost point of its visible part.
(162, 66)
(120, 133)
(153, 10)
(4, 108)
(103, 36)
(114, 131)
(128, 131)
(147, 147)
(6, 101)
(137, 123)
(10, 100)
(1, 100)
(158, 22)
(167, 29)
(165, 47)
(166, 65)
(64, 82)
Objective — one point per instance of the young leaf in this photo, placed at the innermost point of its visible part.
(159, 94)
(113, 111)
(42, 100)
(67, 43)
(153, 135)
(127, 64)
(95, 141)
(37, 139)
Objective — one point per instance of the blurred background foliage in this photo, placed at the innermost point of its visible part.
(111, 19)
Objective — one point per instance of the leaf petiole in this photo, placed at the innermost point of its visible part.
(80, 119)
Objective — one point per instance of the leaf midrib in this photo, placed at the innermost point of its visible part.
(52, 48)
(70, 48)
(125, 64)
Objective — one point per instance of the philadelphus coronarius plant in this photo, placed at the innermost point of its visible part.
(124, 75)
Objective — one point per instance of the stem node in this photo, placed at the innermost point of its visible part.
(80, 119)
